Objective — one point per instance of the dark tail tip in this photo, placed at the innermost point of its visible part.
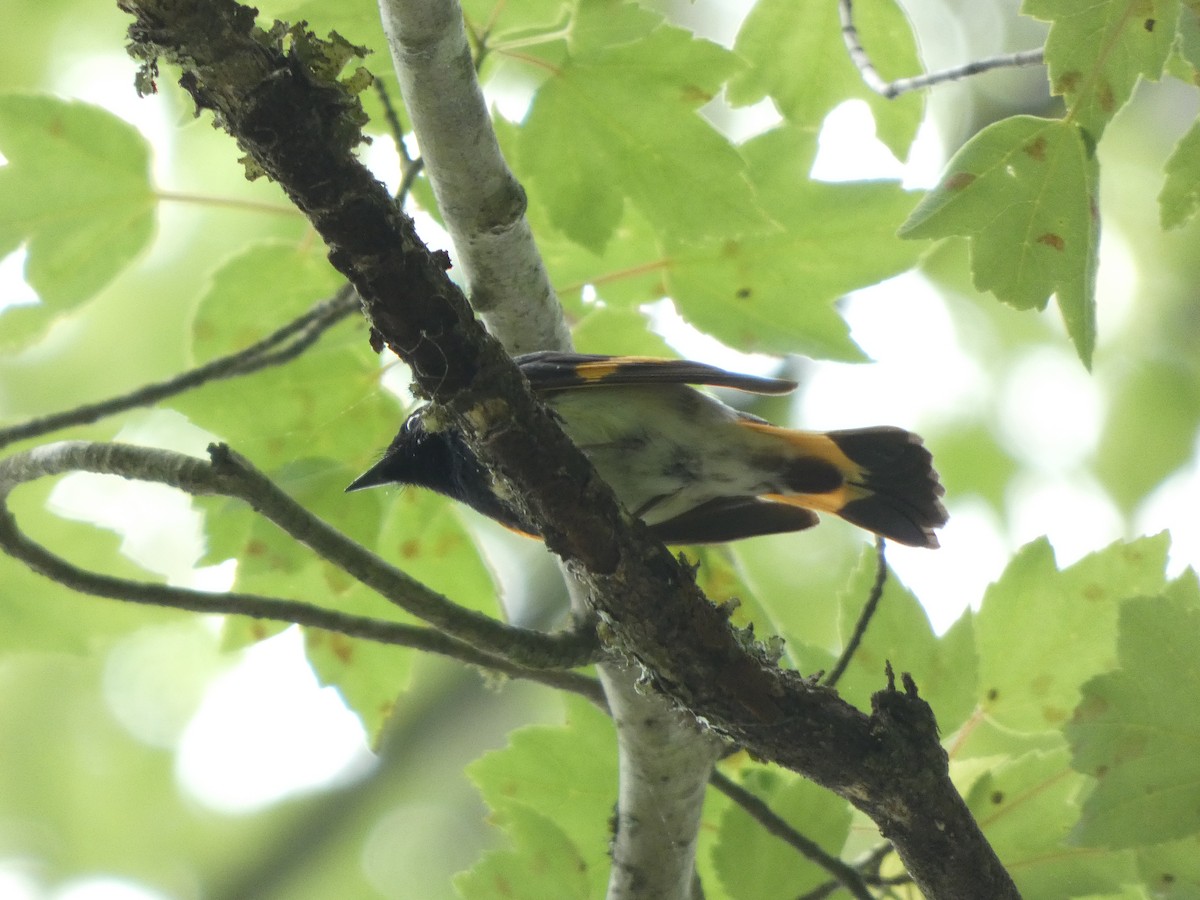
(903, 501)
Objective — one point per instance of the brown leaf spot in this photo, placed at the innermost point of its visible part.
(256, 547)
(1094, 591)
(1041, 685)
(1055, 715)
(258, 631)
(1104, 96)
(1133, 747)
(731, 248)
(1067, 82)
(341, 646)
(410, 548)
(1090, 709)
(958, 181)
(447, 543)
(691, 93)
(1052, 240)
(1037, 149)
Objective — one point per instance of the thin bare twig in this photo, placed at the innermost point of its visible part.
(846, 876)
(409, 168)
(482, 205)
(282, 345)
(276, 609)
(230, 475)
(893, 89)
(393, 121)
(868, 870)
(864, 619)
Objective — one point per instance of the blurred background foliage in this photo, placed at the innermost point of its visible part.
(103, 706)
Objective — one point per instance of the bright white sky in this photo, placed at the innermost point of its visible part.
(233, 757)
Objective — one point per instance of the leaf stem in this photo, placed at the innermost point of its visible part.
(276, 209)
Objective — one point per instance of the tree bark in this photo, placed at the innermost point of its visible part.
(300, 129)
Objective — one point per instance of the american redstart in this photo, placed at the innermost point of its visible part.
(694, 469)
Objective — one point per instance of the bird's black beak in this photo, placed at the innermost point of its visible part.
(373, 477)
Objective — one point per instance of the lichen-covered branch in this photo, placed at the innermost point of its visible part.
(298, 127)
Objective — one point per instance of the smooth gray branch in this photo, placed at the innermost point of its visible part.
(276, 609)
(665, 758)
(481, 202)
(665, 761)
(893, 89)
(232, 476)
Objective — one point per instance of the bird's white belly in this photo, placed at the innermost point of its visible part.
(665, 450)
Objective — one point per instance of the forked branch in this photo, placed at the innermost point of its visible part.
(230, 475)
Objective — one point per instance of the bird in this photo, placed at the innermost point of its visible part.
(694, 469)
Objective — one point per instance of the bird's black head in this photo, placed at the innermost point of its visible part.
(416, 456)
(441, 461)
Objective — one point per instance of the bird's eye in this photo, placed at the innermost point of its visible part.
(414, 422)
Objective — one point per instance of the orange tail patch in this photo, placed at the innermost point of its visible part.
(885, 480)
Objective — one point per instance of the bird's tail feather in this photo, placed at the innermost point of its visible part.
(887, 483)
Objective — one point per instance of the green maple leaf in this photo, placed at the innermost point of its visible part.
(1180, 197)
(1025, 192)
(76, 191)
(795, 55)
(1137, 728)
(1097, 51)
(620, 122)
